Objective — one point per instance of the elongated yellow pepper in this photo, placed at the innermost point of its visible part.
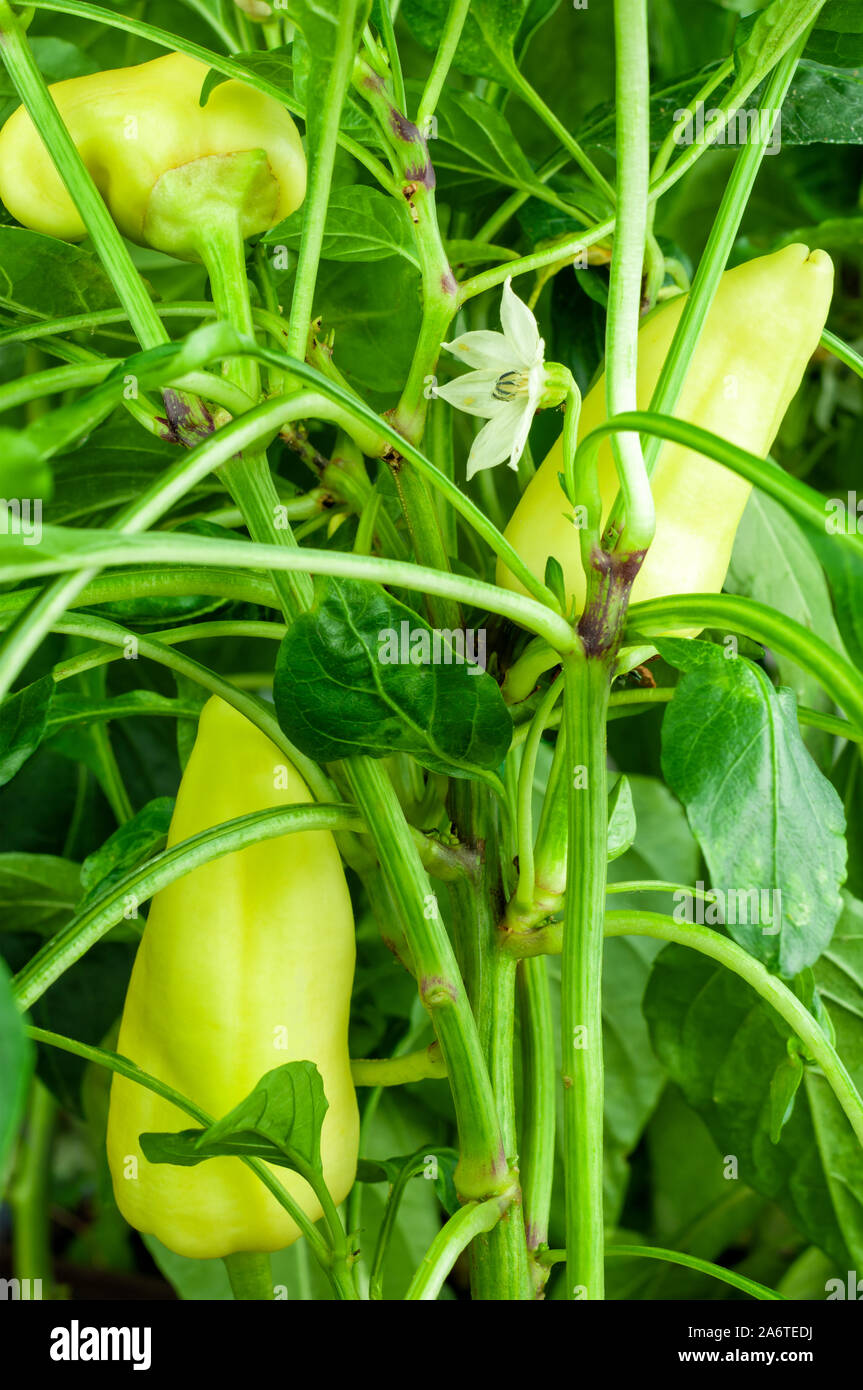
(163, 163)
(762, 329)
(245, 964)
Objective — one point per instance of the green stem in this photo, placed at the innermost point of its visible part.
(499, 1265)
(446, 1247)
(251, 1276)
(29, 1194)
(586, 692)
(248, 477)
(426, 1064)
(323, 145)
(538, 1120)
(99, 549)
(696, 309)
(632, 85)
(443, 59)
(531, 96)
(676, 1257)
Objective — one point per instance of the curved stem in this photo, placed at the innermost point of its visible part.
(729, 954)
(676, 1257)
(842, 680)
(539, 1107)
(89, 926)
(446, 1247)
(99, 549)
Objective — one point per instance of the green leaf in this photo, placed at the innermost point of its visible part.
(485, 48)
(729, 739)
(622, 823)
(374, 312)
(287, 1107)
(760, 40)
(363, 224)
(38, 892)
(784, 1085)
(18, 1056)
(46, 278)
(346, 682)
(23, 722)
(774, 562)
(279, 1121)
(132, 844)
(472, 137)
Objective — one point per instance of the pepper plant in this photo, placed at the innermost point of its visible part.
(296, 298)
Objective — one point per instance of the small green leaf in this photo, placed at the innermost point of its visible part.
(18, 1058)
(784, 1085)
(287, 1107)
(622, 824)
(23, 723)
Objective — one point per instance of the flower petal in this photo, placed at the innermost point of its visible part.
(472, 393)
(482, 348)
(494, 443)
(520, 328)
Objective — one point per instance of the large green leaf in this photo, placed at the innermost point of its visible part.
(345, 683)
(730, 740)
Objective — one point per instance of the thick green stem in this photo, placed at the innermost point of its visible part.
(586, 693)
(483, 1169)
(30, 1197)
(499, 1266)
(251, 1277)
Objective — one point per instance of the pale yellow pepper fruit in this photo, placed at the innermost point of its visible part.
(245, 964)
(763, 327)
(160, 160)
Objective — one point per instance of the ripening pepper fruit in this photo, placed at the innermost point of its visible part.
(764, 324)
(164, 164)
(245, 964)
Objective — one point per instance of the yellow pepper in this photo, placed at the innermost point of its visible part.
(163, 163)
(762, 329)
(245, 964)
